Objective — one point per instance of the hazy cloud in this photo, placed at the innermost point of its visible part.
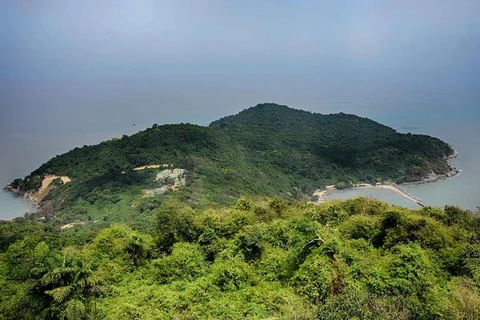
(72, 65)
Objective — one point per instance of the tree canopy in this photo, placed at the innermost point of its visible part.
(257, 259)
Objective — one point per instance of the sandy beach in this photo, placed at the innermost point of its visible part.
(432, 177)
(322, 193)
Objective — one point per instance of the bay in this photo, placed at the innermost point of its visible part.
(463, 134)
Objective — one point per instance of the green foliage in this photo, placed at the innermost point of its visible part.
(72, 285)
(173, 224)
(356, 303)
(249, 241)
(232, 274)
(409, 270)
(11, 231)
(186, 262)
(261, 258)
(462, 300)
(23, 256)
(362, 227)
(469, 261)
(120, 244)
(398, 227)
(316, 278)
(75, 310)
(343, 185)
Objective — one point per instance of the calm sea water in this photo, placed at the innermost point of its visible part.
(464, 189)
(13, 206)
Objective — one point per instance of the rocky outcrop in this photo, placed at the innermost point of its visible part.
(432, 176)
(37, 196)
(170, 179)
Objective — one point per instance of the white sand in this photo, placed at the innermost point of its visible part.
(321, 193)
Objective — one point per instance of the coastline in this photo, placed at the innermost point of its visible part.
(15, 206)
(35, 204)
(432, 177)
(17, 192)
(391, 187)
(37, 196)
(18, 204)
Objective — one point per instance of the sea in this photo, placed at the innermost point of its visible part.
(30, 138)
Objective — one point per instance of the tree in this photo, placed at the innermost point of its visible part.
(137, 249)
(73, 286)
(173, 224)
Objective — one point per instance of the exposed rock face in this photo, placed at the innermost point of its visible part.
(73, 224)
(47, 186)
(175, 175)
(432, 176)
(169, 179)
(38, 195)
(153, 166)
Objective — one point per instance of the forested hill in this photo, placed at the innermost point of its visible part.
(337, 146)
(268, 150)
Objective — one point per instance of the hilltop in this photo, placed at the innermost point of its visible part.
(266, 150)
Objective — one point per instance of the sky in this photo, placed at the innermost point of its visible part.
(78, 72)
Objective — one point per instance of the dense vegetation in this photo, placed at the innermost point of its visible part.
(221, 247)
(357, 259)
(267, 150)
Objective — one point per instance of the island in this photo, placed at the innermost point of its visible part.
(266, 150)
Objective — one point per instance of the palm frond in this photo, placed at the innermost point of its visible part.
(60, 294)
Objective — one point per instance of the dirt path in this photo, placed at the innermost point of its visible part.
(150, 166)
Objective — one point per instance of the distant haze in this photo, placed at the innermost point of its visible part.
(78, 72)
(120, 61)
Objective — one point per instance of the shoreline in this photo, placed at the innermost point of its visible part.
(393, 187)
(18, 193)
(30, 205)
(36, 198)
(432, 177)
(15, 206)
(34, 203)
